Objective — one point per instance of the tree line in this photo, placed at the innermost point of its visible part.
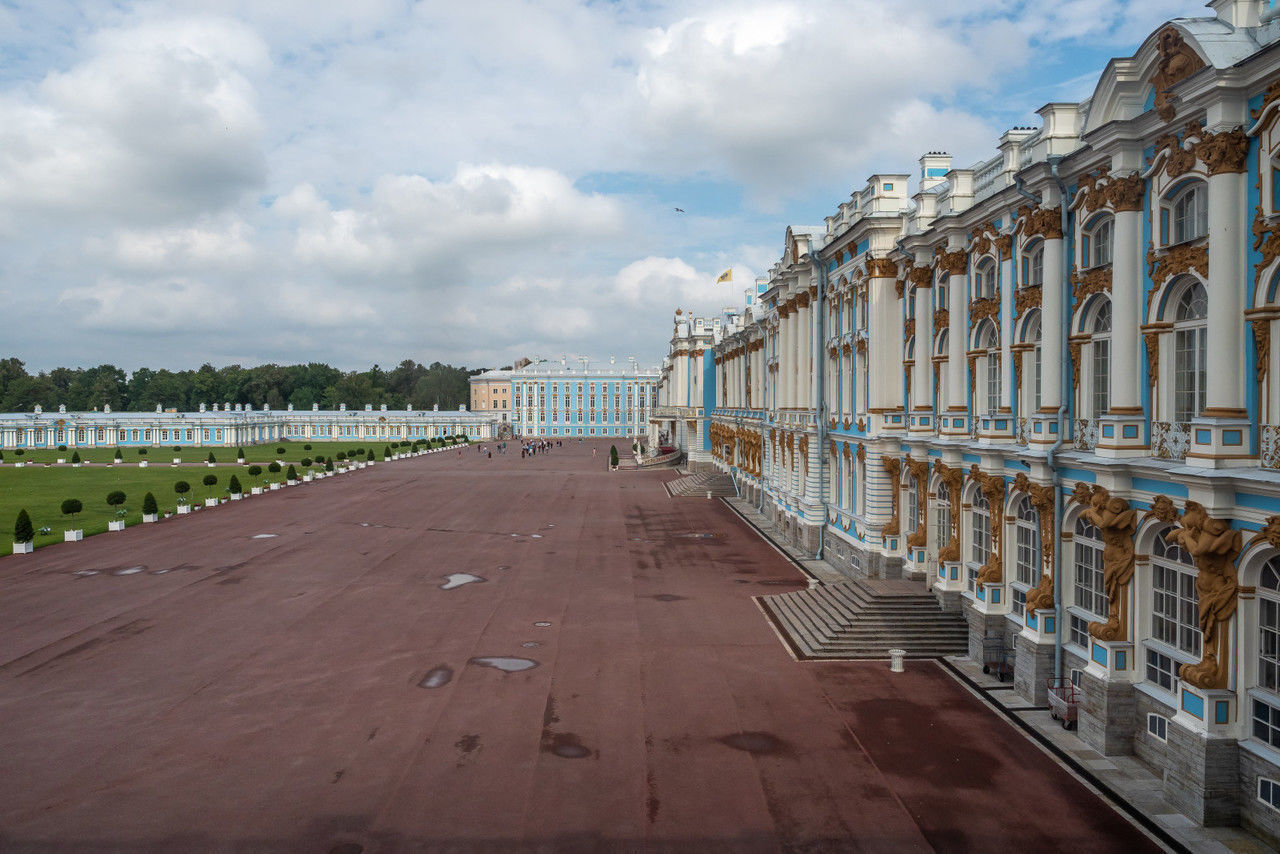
(85, 389)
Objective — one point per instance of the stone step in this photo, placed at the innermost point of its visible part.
(850, 619)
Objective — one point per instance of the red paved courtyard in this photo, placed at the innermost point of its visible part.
(319, 690)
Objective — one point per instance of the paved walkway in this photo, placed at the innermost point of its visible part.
(195, 685)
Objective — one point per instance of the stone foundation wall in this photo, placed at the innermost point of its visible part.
(1255, 816)
(980, 626)
(1032, 670)
(1146, 746)
(1202, 776)
(1108, 715)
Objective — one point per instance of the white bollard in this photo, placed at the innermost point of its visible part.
(708, 495)
(895, 660)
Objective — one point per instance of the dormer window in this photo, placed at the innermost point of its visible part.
(1185, 216)
(1097, 243)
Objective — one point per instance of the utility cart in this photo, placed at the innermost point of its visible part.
(997, 657)
(1064, 703)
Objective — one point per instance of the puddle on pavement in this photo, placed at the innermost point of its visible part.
(566, 745)
(542, 624)
(758, 743)
(458, 579)
(159, 571)
(536, 536)
(507, 664)
(505, 566)
(531, 644)
(84, 573)
(699, 536)
(263, 536)
(437, 677)
(133, 570)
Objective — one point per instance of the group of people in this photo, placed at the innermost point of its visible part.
(529, 449)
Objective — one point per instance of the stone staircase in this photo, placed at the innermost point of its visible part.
(699, 484)
(865, 619)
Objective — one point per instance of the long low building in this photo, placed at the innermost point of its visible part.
(232, 426)
(1044, 386)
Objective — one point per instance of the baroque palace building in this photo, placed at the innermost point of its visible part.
(1044, 386)
(555, 399)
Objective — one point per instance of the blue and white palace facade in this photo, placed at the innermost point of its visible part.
(230, 426)
(1045, 386)
(559, 398)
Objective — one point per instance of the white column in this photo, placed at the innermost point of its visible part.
(1225, 335)
(884, 347)
(1008, 282)
(957, 340)
(1126, 302)
(922, 381)
(1052, 326)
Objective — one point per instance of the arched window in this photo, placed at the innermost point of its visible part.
(1186, 216)
(1033, 266)
(989, 342)
(1189, 347)
(1028, 554)
(1089, 594)
(1265, 698)
(943, 289)
(1175, 626)
(1100, 379)
(1097, 243)
(1031, 363)
(942, 516)
(984, 279)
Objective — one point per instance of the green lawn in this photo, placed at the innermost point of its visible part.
(41, 491)
(293, 452)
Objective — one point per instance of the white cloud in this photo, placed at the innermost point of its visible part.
(409, 224)
(154, 121)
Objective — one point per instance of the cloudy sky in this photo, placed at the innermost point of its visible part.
(359, 182)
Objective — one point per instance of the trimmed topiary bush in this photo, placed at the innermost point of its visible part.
(239, 453)
(306, 462)
(149, 505)
(115, 498)
(71, 506)
(342, 455)
(386, 452)
(279, 451)
(233, 485)
(328, 465)
(22, 530)
(370, 456)
(274, 467)
(306, 447)
(613, 455)
(292, 473)
(75, 456)
(119, 456)
(210, 480)
(211, 458)
(19, 452)
(182, 488)
(142, 452)
(62, 447)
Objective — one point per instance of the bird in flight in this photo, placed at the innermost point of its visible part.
(679, 210)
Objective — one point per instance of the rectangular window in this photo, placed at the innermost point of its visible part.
(1269, 792)
(1266, 722)
(1190, 366)
(1101, 377)
(1077, 676)
(1090, 590)
(1162, 670)
(1174, 617)
(1079, 631)
(1158, 725)
(1019, 601)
